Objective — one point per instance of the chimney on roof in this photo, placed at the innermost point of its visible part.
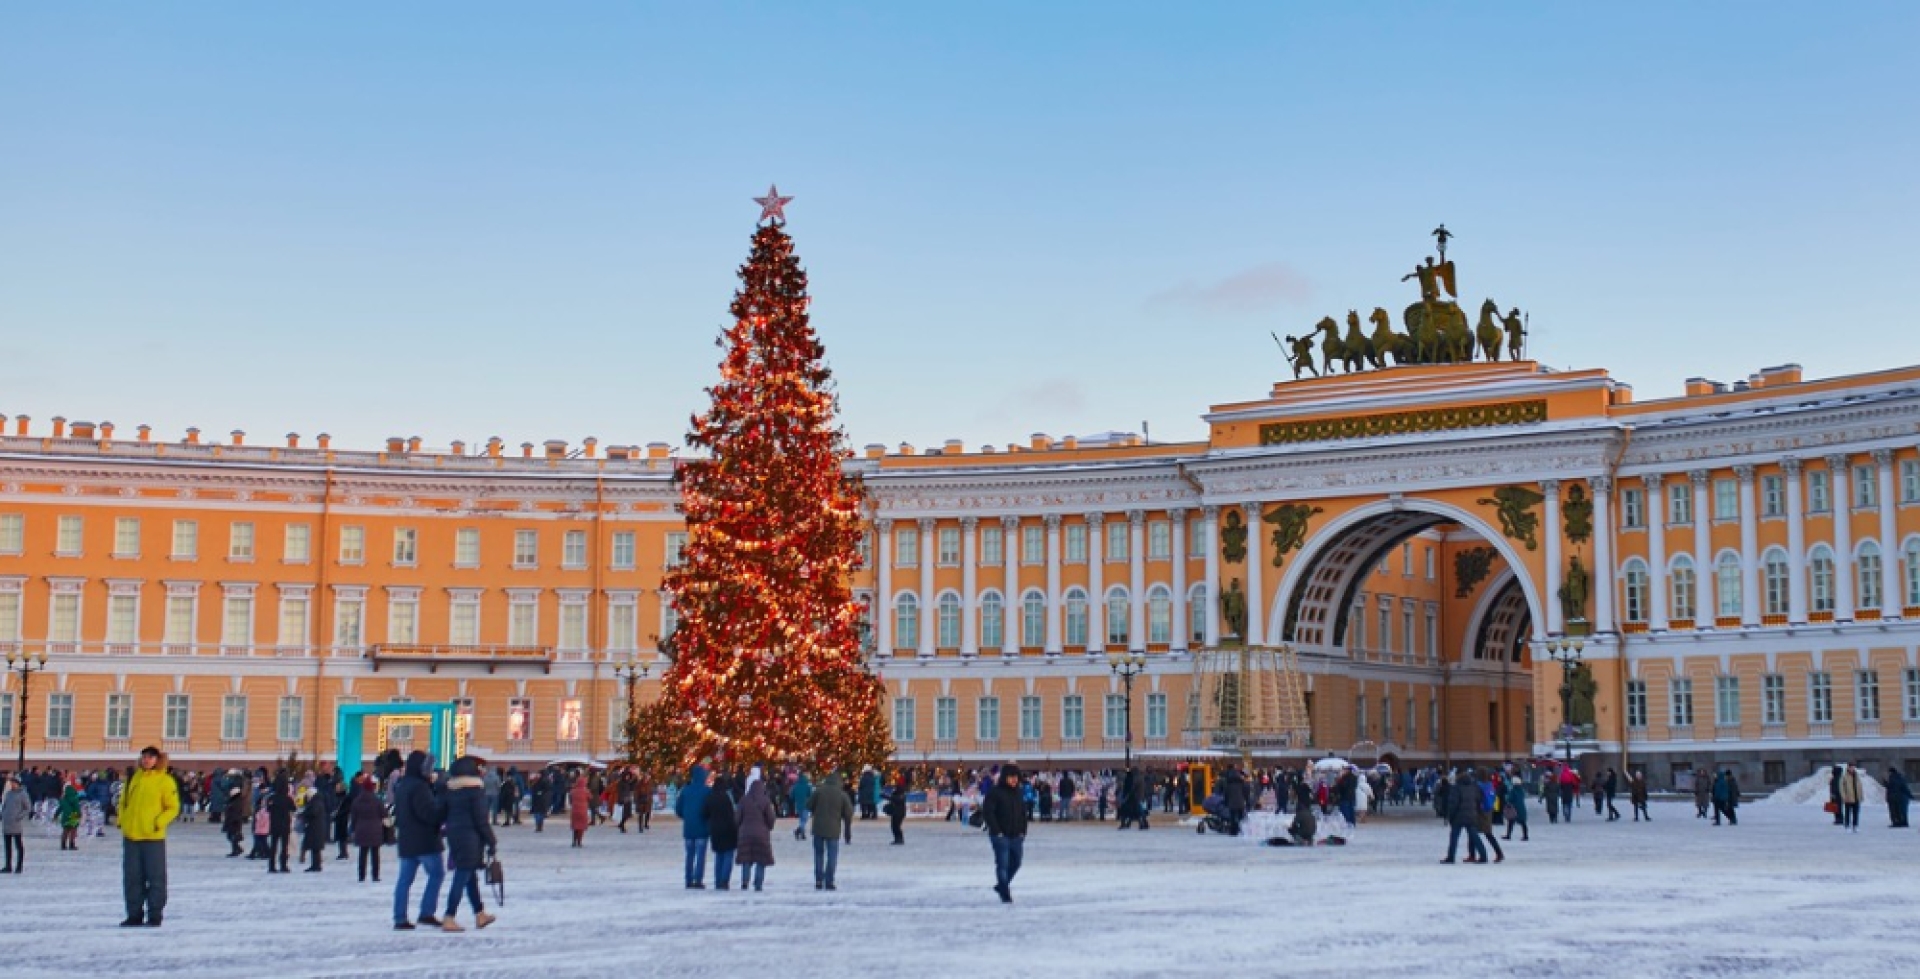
(526, 450)
(396, 444)
(144, 432)
(556, 448)
(325, 441)
(588, 446)
(875, 450)
(1041, 441)
(293, 440)
(239, 437)
(59, 426)
(619, 452)
(20, 424)
(906, 449)
(1069, 442)
(193, 436)
(459, 447)
(413, 444)
(953, 447)
(83, 430)
(494, 445)
(106, 431)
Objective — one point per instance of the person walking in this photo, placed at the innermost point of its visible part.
(507, 804)
(1516, 807)
(68, 816)
(869, 793)
(1489, 799)
(832, 817)
(279, 824)
(755, 819)
(579, 811)
(802, 796)
(1725, 798)
(1637, 794)
(367, 822)
(1833, 797)
(15, 809)
(1569, 787)
(316, 817)
(897, 809)
(1005, 814)
(470, 841)
(1463, 815)
(1702, 795)
(234, 818)
(723, 827)
(1899, 796)
(1851, 792)
(1610, 787)
(149, 802)
(690, 806)
(541, 795)
(417, 815)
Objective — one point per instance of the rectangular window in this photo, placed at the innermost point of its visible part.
(1866, 699)
(1636, 703)
(949, 544)
(65, 626)
(293, 620)
(180, 626)
(69, 533)
(406, 547)
(1820, 698)
(1726, 499)
(1406, 559)
(946, 719)
(353, 545)
(6, 712)
(1773, 699)
(1406, 626)
(1909, 482)
(298, 545)
(992, 544)
(1633, 508)
(1429, 560)
(1433, 720)
(1156, 715)
(573, 626)
(119, 716)
(573, 550)
(1360, 717)
(122, 618)
(1030, 717)
(59, 716)
(617, 721)
(526, 548)
(233, 717)
(1033, 544)
(1113, 717)
(186, 540)
(1773, 496)
(1073, 718)
(1197, 538)
(403, 620)
(1383, 641)
(1432, 646)
(523, 619)
(13, 533)
(1817, 496)
(1357, 623)
(988, 721)
(1119, 540)
(240, 542)
(1679, 503)
(1866, 488)
(906, 547)
(1386, 718)
(348, 623)
(1910, 695)
(570, 722)
(1726, 701)
(903, 718)
(9, 618)
(293, 718)
(623, 626)
(676, 549)
(175, 717)
(1159, 540)
(1680, 694)
(126, 537)
(464, 630)
(1074, 543)
(466, 547)
(623, 550)
(519, 719)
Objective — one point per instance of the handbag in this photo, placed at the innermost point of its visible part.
(497, 879)
(976, 818)
(1831, 806)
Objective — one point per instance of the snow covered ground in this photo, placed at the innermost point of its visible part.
(1784, 894)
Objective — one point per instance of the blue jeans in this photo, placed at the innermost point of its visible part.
(722, 868)
(466, 880)
(752, 873)
(1007, 853)
(696, 859)
(1475, 848)
(826, 858)
(436, 870)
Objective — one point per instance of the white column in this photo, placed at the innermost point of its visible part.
(1256, 597)
(1096, 584)
(1603, 575)
(1010, 585)
(1053, 584)
(1796, 545)
(969, 582)
(929, 610)
(1137, 580)
(1210, 526)
(1179, 517)
(883, 603)
(1843, 568)
(1556, 616)
(1657, 550)
(1706, 582)
(1750, 598)
(1892, 601)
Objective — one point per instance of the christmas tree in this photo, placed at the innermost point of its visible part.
(767, 661)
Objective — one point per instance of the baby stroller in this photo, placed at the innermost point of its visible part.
(1215, 817)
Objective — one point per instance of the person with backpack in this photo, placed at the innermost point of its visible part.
(1004, 812)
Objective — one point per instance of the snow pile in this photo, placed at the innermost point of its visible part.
(1812, 791)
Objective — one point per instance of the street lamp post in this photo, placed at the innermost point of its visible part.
(631, 670)
(26, 665)
(1566, 652)
(1126, 666)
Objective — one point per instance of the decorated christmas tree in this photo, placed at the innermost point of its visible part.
(767, 660)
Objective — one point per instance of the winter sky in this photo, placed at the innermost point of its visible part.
(466, 219)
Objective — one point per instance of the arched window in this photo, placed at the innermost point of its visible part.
(1867, 575)
(1913, 572)
(1159, 615)
(1197, 613)
(1726, 585)
(1076, 617)
(1774, 567)
(993, 621)
(1682, 587)
(1820, 574)
(1634, 577)
(949, 612)
(1033, 619)
(906, 621)
(1118, 616)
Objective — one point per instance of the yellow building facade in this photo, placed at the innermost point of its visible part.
(1738, 569)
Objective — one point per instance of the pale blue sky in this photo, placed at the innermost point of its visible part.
(459, 220)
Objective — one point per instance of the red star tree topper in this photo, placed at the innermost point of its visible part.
(767, 659)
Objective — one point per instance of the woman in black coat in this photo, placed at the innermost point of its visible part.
(315, 815)
(369, 825)
(279, 824)
(470, 841)
(724, 827)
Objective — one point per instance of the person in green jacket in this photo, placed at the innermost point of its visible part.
(149, 802)
(69, 816)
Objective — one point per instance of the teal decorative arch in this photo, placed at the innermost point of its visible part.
(444, 740)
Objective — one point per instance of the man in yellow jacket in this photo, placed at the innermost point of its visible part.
(149, 802)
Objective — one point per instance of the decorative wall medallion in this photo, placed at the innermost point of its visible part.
(1471, 567)
(242, 496)
(299, 499)
(1233, 538)
(187, 493)
(70, 489)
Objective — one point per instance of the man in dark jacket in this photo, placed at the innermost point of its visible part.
(317, 817)
(832, 818)
(1463, 814)
(691, 806)
(470, 841)
(1233, 792)
(1005, 815)
(417, 814)
(1899, 795)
